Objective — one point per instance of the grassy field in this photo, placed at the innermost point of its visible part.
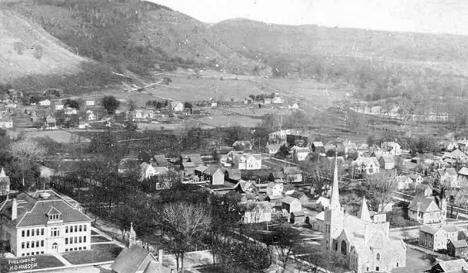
(98, 253)
(36, 262)
(58, 136)
(227, 121)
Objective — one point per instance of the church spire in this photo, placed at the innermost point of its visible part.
(335, 195)
(2, 174)
(364, 213)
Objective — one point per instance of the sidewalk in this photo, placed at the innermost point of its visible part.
(112, 240)
(61, 259)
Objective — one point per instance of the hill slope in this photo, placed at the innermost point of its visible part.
(315, 40)
(27, 49)
(132, 34)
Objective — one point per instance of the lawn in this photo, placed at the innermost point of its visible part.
(58, 136)
(34, 262)
(97, 239)
(98, 253)
(416, 262)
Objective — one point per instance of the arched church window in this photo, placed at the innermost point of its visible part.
(344, 247)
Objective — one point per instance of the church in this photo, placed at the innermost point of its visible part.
(364, 241)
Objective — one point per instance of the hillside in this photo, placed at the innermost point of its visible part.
(27, 49)
(316, 40)
(132, 35)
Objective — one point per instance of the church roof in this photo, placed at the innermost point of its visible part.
(130, 259)
(364, 211)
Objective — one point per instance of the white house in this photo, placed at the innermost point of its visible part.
(257, 212)
(244, 161)
(6, 123)
(89, 102)
(368, 165)
(45, 102)
(392, 148)
(273, 148)
(177, 106)
(300, 153)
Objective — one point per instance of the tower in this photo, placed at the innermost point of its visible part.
(4, 183)
(131, 236)
(334, 215)
(443, 206)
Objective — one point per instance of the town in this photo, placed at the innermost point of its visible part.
(135, 138)
(119, 195)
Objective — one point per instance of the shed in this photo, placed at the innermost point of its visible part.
(291, 204)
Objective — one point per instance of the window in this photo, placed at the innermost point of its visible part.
(76, 228)
(37, 243)
(42, 231)
(66, 241)
(22, 245)
(54, 232)
(42, 244)
(397, 265)
(84, 228)
(42, 252)
(81, 228)
(335, 245)
(32, 232)
(344, 247)
(378, 257)
(80, 239)
(84, 239)
(22, 233)
(27, 244)
(66, 229)
(377, 268)
(27, 233)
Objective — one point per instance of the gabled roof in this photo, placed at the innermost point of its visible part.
(454, 266)
(290, 199)
(388, 159)
(425, 204)
(291, 170)
(318, 144)
(188, 164)
(459, 244)
(195, 158)
(212, 170)
(234, 174)
(463, 171)
(130, 259)
(201, 168)
(450, 228)
(429, 229)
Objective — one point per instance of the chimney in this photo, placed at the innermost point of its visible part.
(160, 256)
(14, 209)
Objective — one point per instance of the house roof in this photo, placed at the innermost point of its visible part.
(130, 259)
(450, 228)
(234, 174)
(195, 158)
(429, 229)
(423, 202)
(188, 164)
(318, 144)
(290, 200)
(459, 243)
(320, 216)
(291, 170)
(244, 185)
(273, 146)
(300, 149)
(161, 160)
(463, 171)
(212, 170)
(257, 156)
(201, 168)
(33, 209)
(453, 266)
(388, 159)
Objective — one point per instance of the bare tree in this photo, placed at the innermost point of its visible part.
(184, 223)
(381, 187)
(26, 152)
(284, 241)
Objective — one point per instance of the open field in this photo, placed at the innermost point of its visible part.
(227, 121)
(58, 136)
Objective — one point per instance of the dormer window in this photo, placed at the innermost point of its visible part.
(53, 214)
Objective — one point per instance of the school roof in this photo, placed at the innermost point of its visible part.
(33, 209)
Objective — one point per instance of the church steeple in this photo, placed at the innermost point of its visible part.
(335, 194)
(364, 213)
(131, 236)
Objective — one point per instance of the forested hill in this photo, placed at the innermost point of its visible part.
(378, 64)
(119, 36)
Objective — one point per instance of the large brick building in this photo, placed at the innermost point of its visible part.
(43, 222)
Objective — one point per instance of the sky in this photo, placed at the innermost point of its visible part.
(430, 16)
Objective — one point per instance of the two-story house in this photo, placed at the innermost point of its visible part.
(428, 209)
(292, 174)
(244, 161)
(42, 222)
(300, 153)
(367, 165)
